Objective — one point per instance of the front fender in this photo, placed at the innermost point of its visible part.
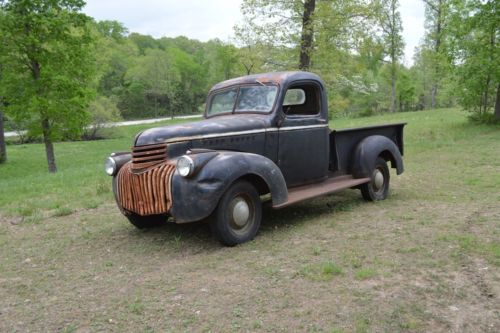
(196, 197)
(369, 149)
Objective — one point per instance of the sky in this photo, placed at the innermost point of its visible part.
(204, 20)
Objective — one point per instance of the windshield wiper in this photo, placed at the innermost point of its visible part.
(262, 84)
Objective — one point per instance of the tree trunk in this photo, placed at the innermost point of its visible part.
(393, 30)
(248, 68)
(433, 95)
(49, 147)
(437, 49)
(486, 101)
(3, 149)
(393, 94)
(306, 38)
(497, 104)
(156, 105)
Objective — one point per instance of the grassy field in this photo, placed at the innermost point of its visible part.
(425, 260)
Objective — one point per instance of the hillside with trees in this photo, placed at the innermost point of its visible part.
(61, 71)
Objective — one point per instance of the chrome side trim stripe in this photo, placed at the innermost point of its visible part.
(293, 128)
(214, 135)
(263, 130)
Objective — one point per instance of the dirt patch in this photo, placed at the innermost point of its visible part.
(92, 271)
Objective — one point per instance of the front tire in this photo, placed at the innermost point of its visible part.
(146, 222)
(237, 217)
(378, 187)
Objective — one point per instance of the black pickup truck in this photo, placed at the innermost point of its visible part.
(263, 136)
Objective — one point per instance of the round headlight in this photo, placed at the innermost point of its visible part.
(110, 166)
(185, 166)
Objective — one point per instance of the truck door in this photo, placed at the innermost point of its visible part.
(303, 135)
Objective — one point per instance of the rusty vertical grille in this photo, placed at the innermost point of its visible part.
(146, 193)
(144, 157)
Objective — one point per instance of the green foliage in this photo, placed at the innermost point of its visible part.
(167, 81)
(353, 42)
(406, 90)
(392, 27)
(155, 74)
(47, 67)
(276, 25)
(112, 29)
(48, 64)
(151, 77)
(474, 32)
(357, 48)
(433, 64)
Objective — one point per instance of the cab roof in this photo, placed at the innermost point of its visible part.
(281, 78)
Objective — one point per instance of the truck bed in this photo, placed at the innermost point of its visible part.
(344, 141)
(342, 145)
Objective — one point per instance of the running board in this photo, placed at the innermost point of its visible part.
(331, 185)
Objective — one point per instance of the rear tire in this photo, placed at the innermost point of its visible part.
(146, 222)
(378, 187)
(237, 217)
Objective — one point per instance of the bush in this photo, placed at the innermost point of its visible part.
(103, 110)
(483, 117)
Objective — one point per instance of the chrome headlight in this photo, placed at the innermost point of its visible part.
(110, 166)
(185, 166)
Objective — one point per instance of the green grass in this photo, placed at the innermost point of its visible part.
(427, 259)
(324, 271)
(365, 273)
(26, 187)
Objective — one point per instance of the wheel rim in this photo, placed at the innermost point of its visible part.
(378, 180)
(241, 214)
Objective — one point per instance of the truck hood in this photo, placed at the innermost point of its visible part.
(197, 130)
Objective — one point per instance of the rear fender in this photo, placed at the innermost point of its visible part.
(367, 151)
(195, 198)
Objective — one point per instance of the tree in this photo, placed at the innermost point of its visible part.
(250, 55)
(191, 81)
(436, 12)
(497, 105)
(48, 67)
(155, 72)
(281, 25)
(474, 32)
(112, 29)
(225, 60)
(348, 55)
(115, 56)
(102, 111)
(392, 28)
(307, 35)
(3, 148)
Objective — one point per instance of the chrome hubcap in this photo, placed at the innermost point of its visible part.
(241, 212)
(378, 179)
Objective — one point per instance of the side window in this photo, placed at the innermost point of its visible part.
(302, 99)
(223, 102)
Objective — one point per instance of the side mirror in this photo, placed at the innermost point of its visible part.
(294, 97)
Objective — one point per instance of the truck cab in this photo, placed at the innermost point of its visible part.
(261, 134)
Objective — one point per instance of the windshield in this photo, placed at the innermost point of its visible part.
(243, 99)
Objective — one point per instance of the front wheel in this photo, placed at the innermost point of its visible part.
(378, 187)
(237, 217)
